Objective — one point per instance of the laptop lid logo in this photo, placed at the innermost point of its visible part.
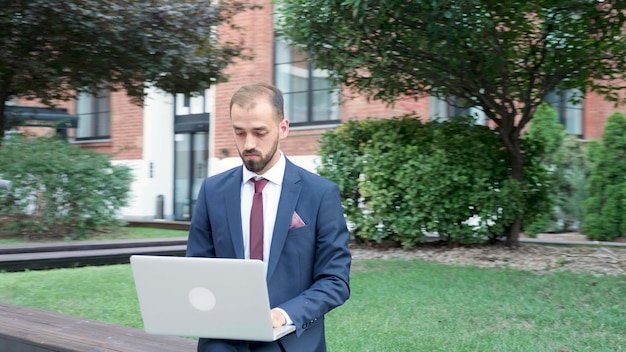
(202, 298)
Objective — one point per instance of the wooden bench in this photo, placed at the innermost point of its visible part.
(25, 329)
(160, 224)
(36, 256)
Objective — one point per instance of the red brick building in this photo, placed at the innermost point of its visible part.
(174, 142)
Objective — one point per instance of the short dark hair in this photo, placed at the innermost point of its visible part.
(247, 94)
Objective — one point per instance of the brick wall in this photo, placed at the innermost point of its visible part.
(259, 36)
(126, 142)
(126, 128)
(357, 107)
(596, 111)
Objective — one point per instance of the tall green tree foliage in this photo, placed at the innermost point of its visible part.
(565, 158)
(53, 48)
(501, 56)
(605, 209)
(547, 130)
(549, 133)
(572, 164)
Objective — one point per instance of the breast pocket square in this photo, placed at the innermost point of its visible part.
(296, 221)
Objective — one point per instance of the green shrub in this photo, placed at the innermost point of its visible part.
(565, 159)
(341, 162)
(546, 129)
(408, 179)
(58, 189)
(605, 208)
(572, 166)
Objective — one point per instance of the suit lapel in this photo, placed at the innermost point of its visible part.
(286, 206)
(232, 196)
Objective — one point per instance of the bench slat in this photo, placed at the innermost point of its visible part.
(37, 330)
(47, 260)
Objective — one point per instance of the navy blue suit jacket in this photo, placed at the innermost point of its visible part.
(308, 267)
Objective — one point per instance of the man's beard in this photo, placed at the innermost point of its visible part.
(257, 166)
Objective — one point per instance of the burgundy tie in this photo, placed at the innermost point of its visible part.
(256, 220)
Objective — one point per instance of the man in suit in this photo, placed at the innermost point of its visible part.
(304, 241)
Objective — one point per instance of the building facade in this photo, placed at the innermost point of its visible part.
(173, 142)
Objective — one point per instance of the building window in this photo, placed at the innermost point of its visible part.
(310, 98)
(569, 108)
(441, 110)
(94, 115)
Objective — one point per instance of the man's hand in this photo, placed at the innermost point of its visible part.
(278, 319)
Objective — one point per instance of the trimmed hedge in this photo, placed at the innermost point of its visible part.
(402, 180)
(58, 189)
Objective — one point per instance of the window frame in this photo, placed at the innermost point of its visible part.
(99, 108)
(562, 105)
(452, 106)
(309, 91)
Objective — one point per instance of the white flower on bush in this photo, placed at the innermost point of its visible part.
(477, 223)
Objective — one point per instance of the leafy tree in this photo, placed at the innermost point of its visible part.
(501, 56)
(52, 49)
(605, 208)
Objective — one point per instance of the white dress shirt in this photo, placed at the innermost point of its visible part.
(271, 197)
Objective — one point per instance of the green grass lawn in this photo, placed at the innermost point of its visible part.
(396, 305)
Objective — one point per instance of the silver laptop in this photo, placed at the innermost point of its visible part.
(204, 297)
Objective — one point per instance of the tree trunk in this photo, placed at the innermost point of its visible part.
(5, 88)
(514, 229)
(3, 120)
(511, 140)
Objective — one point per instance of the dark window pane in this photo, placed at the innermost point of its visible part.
(570, 113)
(324, 107)
(320, 80)
(296, 107)
(574, 112)
(291, 78)
(94, 115)
(298, 55)
(283, 53)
